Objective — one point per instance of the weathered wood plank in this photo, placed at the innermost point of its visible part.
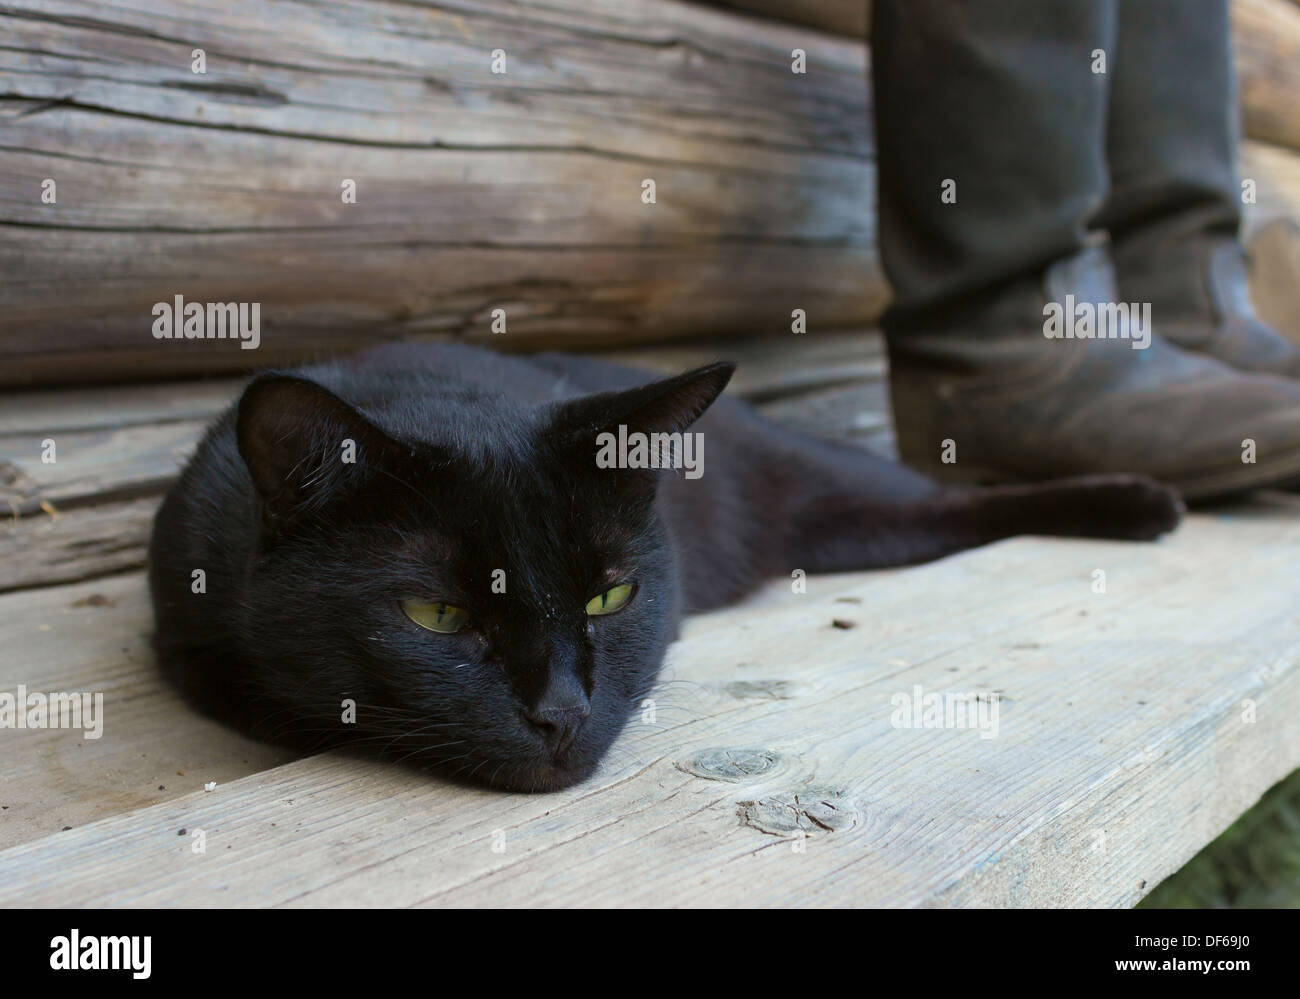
(1133, 726)
(93, 466)
(117, 449)
(80, 543)
(93, 637)
(768, 368)
(37, 413)
(105, 535)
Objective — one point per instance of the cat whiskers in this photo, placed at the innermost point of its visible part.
(422, 730)
(392, 717)
(420, 750)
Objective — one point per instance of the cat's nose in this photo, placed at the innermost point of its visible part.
(559, 726)
(561, 710)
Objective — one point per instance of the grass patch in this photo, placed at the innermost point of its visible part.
(1254, 864)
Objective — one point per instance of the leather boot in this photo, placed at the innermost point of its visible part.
(1199, 292)
(982, 395)
(1174, 205)
(1000, 141)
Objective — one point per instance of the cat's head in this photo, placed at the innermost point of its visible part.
(479, 593)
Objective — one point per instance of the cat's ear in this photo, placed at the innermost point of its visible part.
(667, 406)
(304, 446)
(587, 426)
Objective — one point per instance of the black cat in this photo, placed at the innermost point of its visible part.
(420, 553)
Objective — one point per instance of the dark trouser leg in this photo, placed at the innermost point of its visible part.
(1172, 134)
(1175, 204)
(1001, 97)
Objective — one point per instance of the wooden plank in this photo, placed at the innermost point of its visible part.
(117, 449)
(1133, 726)
(41, 412)
(81, 543)
(767, 368)
(93, 637)
(475, 190)
(94, 466)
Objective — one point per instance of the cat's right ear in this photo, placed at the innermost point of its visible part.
(664, 407)
(669, 405)
(304, 446)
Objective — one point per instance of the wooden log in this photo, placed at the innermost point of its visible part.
(475, 190)
(1275, 275)
(1275, 171)
(1265, 42)
(839, 17)
(1266, 51)
(89, 512)
(120, 447)
(1272, 233)
(1133, 727)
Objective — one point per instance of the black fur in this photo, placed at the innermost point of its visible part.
(468, 462)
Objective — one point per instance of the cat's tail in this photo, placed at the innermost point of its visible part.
(839, 531)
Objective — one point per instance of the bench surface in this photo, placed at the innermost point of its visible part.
(1134, 721)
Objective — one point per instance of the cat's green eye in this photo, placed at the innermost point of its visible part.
(442, 618)
(611, 600)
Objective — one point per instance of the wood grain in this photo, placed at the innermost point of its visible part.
(475, 190)
(839, 17)
(1265, 44)
(1133, 726)
(1266, 54)
(93, 637)
(1275, 275)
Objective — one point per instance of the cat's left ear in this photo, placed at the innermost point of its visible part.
(664, 407)
(305, 447)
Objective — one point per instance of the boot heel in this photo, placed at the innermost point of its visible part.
(919, 438)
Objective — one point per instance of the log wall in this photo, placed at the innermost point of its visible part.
(476, 190)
